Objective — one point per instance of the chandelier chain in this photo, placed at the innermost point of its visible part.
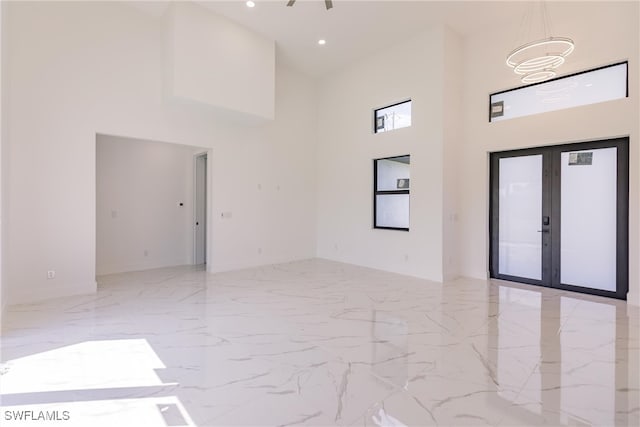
(546, 19)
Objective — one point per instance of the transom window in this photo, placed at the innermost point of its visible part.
(393, 117)
(587, 87)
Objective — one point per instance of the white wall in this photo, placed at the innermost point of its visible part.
(452, 104)
(347, 147)
(616, 39)
(2, 169)
(70, 76)
(139, 221)
(218, 62)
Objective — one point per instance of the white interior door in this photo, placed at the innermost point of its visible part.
(201, 210)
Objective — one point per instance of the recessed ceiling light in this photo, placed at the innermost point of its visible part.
(251, 4)
(322, 42)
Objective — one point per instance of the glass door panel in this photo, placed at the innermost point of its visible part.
(588, 218)
(520, 210)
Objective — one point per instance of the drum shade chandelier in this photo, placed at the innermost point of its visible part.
(537, 60)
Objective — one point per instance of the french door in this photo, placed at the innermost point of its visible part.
(559, 216)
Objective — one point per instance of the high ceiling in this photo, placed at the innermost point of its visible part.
(355, 28)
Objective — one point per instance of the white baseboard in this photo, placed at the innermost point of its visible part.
(63, 291)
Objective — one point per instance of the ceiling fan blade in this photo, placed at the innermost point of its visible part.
(291, 2)
(328, 3)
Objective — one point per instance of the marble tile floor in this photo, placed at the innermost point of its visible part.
(319, 343)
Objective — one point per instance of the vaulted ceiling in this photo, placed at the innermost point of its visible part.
(356, 28)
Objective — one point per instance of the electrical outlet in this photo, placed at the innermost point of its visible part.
(146, 252)
(51, 274)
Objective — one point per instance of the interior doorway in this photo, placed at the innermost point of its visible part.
(200, 210)
(145, 204)
(559, 216)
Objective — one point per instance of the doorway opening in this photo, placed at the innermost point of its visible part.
(200, 209)
(559, 217)
(147, 197)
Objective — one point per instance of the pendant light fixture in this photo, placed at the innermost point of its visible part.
(537, 60)
(328, 3)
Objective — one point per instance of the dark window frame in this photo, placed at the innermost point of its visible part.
(375, 115)
(377, 192)
(561, 78)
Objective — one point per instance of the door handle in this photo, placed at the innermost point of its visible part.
(543, 231)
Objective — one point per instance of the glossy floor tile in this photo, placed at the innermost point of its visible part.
(319, 343)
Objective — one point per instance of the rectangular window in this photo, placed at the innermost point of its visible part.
(584, 88)
(392, 117)
(391, 185)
